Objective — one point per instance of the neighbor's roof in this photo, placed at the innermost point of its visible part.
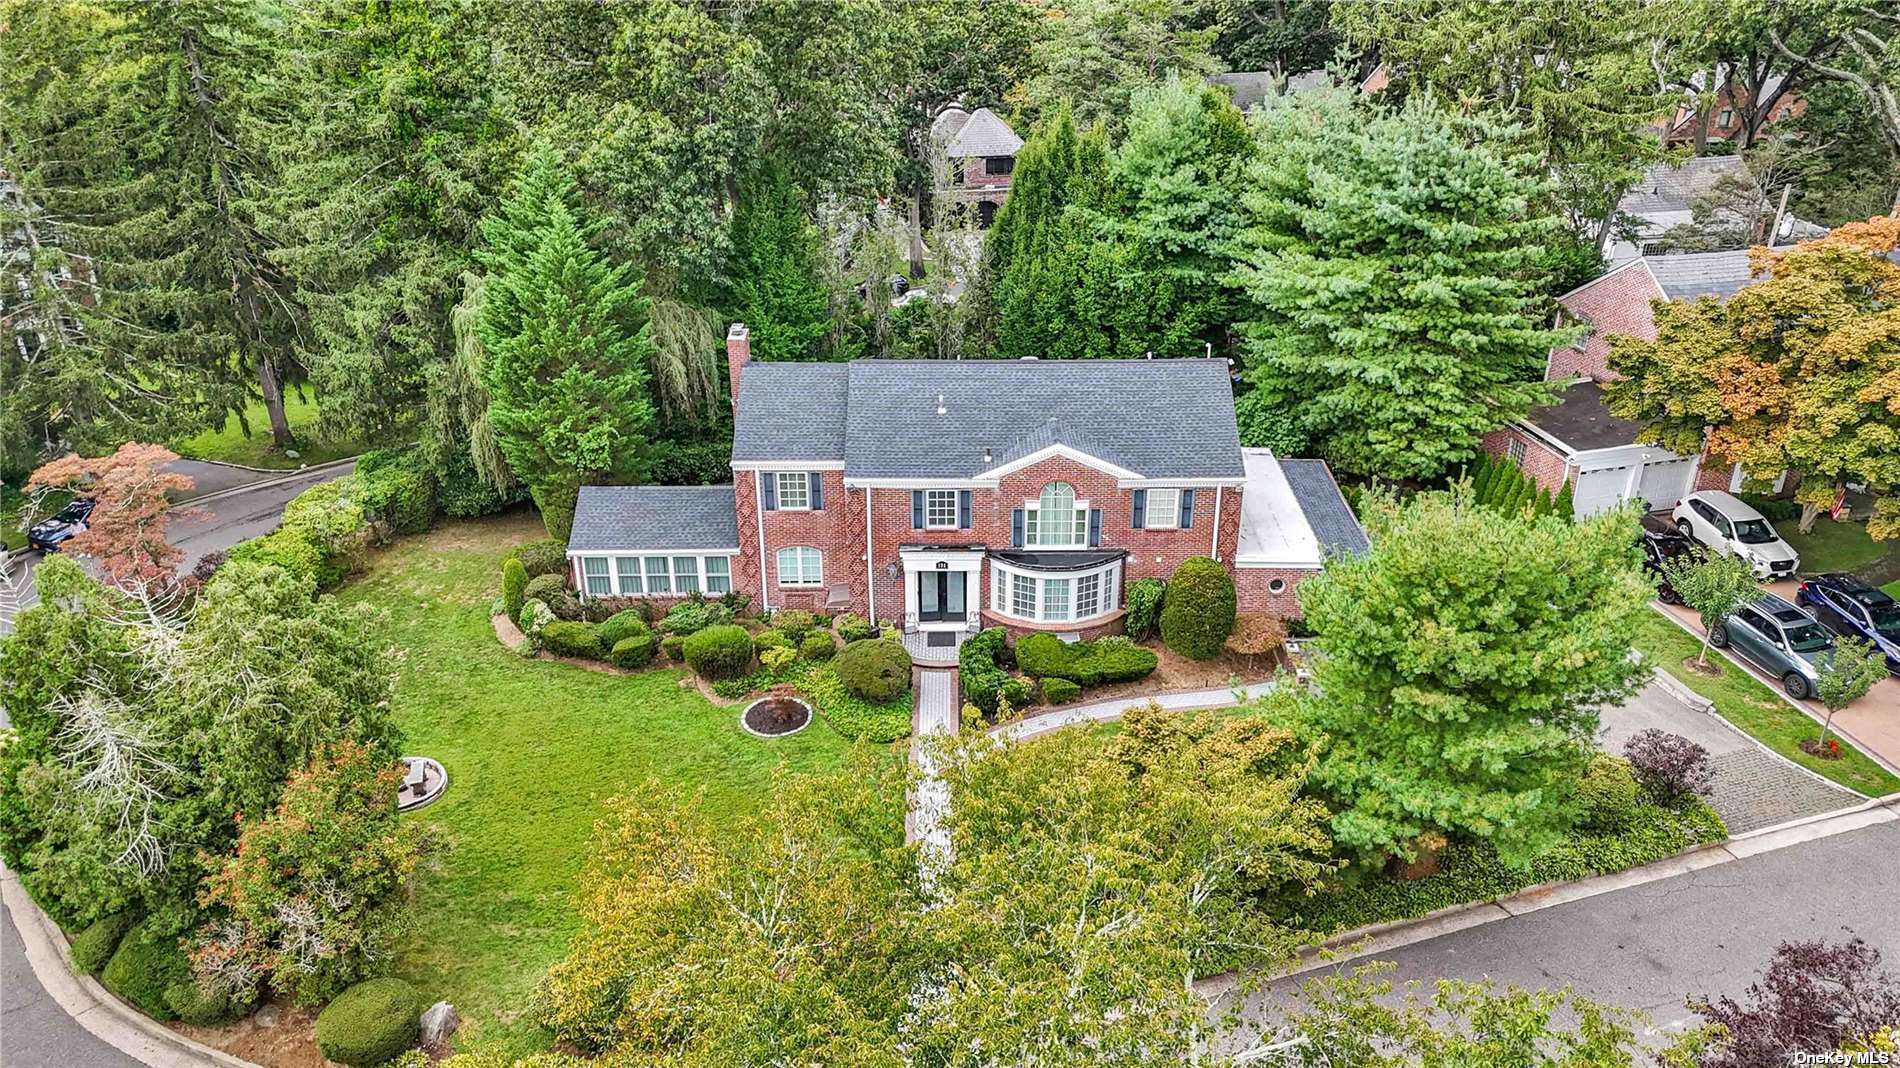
(1582, 421)
(1668, 187)
(1686, 275)
(1250, 87)
(613, 518)
(982, 134)
(1157, 418)
(1292, 514)
(790, 411)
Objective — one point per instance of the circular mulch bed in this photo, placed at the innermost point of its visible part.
(771, 717)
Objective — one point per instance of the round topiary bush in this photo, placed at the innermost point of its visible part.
(620, 626)
(1610, 795)
(194, 1006)
(146, 964)
(94, 946)
(719, 652)
(632, 653)
(674, 647)
(817, 645)
(1199, 611)
(370, 1023)
(873, 670)
(771, 638)
(563, 638)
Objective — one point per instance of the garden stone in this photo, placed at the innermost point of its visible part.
(268, 1015)
(439, 1021)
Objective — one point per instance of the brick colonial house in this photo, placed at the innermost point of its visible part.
(954, 495)
(978, 157)
(1577, 440)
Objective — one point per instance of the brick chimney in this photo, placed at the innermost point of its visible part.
(738, 354)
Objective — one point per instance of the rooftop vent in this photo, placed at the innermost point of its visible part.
(941, 410)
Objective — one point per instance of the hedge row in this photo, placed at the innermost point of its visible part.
(1096, 663)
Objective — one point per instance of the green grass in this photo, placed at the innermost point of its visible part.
(1748, 704)
(1832, 546)
(229, 445)
(533, 749)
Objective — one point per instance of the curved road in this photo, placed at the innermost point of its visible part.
(34, 1030)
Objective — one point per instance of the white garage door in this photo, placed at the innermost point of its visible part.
(1665, 481)
(1600, 490)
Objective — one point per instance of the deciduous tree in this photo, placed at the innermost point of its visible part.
(1713, 588)
(132, 510)
(1847, 674)
(1813, 996)
(1462, 663)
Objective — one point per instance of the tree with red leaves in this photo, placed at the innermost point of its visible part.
(131, 514)
(1815, 996)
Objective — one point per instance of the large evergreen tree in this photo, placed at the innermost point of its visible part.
(567, 344)
(775, 287)
(1391, 263)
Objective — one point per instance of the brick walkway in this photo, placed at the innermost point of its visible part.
(1756, 789)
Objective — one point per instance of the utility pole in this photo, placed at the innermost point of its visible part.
(1774, 231)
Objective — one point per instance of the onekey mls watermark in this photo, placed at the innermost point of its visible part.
(1831, 1057)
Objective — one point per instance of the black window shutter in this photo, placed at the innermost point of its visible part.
(1187, 509)
(770, 482)
(1141, 509)
(1095, 528)
(916, 509)
(963, 510)
(1016, 528)
(817, 483)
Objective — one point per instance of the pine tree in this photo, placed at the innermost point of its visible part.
(567, 344)
(775, 286)
(1391, 268)
(1565, 505)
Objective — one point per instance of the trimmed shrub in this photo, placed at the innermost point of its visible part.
(399, 496)
(795, 622)
(1096, 663)
(634, 652)
(93, 947)
(1199, 613)
(1144, 602)
(674, 647)
(771, 638)
(854, 717)
(1611, 800)
(146, 964)
(722, 651)
(514, 587)
(854, 628)
(371, 1022)
(1059, 691)
(620, 626)
(1669, 767)
(289, 550)
(564, 638)
(873, 670)
(545, 557)
(194, 1006)
(535, 618)
(817, 645)
(778, 659)
(691, 617)
(980, 669)
(541, 587)
(330, 516)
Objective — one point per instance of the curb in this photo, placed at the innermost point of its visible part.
(92, 1006)
(265, 470)
(1380, 938)
(1695, 702)
(285, 476)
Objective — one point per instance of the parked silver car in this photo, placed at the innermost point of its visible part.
(1780, 639)
(1721, 521)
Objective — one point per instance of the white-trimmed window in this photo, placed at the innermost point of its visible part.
(718, 574)
(1515, 450)
(659, 580)
(627, 574)
(794, 491)
(1056, 519)
(1071, 597)
(1164, 510)
(940, 509)
(1022, 596)
(1088, 596)
(594, 568)
(800, 565)
(686, 574)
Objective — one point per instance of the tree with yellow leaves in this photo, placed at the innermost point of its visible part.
(1797, 372)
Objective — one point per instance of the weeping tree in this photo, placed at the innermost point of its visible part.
(458, 425)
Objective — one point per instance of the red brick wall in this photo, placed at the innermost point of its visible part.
(1617, 303)
(1712, 473)
(836, 531)
(1252, 590)
(1544, 464)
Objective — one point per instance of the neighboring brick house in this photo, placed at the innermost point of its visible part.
(1724, 120)
(953, 495)
(978, 156)
(1577, 440)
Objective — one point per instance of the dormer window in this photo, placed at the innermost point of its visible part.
(1056, 520)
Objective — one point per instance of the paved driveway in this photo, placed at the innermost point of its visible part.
(1873, 722)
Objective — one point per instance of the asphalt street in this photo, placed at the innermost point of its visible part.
(1709, 932)
(34, 1030)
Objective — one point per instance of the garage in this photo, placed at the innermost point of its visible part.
(1600, 490)
(1660, 482)
(1665, 482)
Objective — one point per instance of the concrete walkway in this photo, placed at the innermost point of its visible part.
(936, 714)
(1104, 711)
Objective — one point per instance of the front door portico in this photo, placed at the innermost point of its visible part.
(941, 587)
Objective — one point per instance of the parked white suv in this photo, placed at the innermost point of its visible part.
(1722, 522)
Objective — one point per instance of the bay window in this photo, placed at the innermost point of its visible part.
(1067, 597)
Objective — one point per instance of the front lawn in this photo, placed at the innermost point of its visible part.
(1832, 546)
(228, 444)
(1748, 704)
(532, 748)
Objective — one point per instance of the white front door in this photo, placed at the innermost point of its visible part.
(941, 588)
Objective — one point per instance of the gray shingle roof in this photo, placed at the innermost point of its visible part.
(1333, 523)
(654, 517)
(1675, 187)
(1250, 87)
(983, 134)
(791, 411)
(1687, 275)
(1159, 418)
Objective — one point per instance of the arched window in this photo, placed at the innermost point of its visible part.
(1055, 520)
(800, 565)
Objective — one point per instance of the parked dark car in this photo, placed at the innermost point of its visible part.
(1853, 609)
(47, 534)
(1660, 542)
